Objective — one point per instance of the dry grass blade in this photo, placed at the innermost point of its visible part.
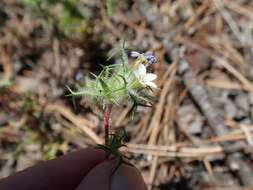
(221, 61)
(227, 17)
(223, 84)
(156, 119)
(7, 64)
(82, 123)
(214, 120)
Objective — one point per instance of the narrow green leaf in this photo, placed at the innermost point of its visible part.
(104, 85)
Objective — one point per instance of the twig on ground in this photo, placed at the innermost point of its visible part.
(217, 124)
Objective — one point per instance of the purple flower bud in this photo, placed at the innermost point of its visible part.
(149, 56)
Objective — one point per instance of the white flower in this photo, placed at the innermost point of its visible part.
(146, 79)
(135, 54)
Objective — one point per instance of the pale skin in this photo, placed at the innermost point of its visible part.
(80, 170)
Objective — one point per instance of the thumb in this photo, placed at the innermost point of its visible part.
(127, 177)
(101, 178)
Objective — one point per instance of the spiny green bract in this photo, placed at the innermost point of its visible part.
(116, 84)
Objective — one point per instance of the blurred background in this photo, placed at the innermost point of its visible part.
(197, 135)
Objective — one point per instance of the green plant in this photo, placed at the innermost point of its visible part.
(66, 16)
(110, 5)
(119, 84)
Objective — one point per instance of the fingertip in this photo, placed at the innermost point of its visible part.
(50, 174)
(127, 177)
(98, 178)
(94, 153)
(103, 177)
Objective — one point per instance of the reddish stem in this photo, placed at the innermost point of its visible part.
(107, 115)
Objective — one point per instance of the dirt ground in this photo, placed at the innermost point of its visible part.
(198, 133)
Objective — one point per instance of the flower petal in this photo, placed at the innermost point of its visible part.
(151, 84)
(142, 70)
(150, 77)
(136, 73)
(148, 53)
(134, 54)
(142, 83)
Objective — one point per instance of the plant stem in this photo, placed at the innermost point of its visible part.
(107, 115)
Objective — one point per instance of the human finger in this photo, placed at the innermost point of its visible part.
(102, 177)
(63, 173)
